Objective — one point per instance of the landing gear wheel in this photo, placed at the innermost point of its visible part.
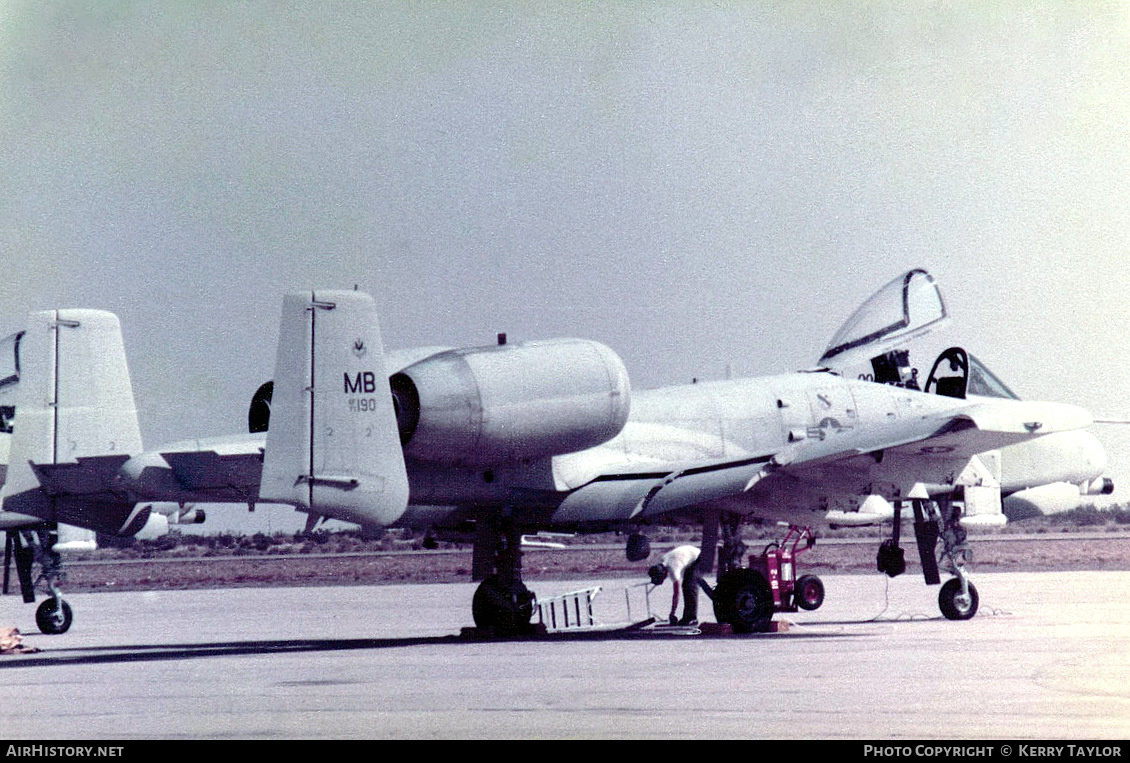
(955, 606)
(501, 608)
(744, 600)
(53, 616)
(638, 548)
(809, 592)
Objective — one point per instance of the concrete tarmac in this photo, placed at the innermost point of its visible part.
(1047, 657)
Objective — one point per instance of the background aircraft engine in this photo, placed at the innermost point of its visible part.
(505, 403)
(1054, 498)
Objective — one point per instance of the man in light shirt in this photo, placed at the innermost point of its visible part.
(681, 563)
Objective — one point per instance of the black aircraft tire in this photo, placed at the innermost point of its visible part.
(809, 592)
(497, 608)
(949, 601)
(45, 620)
(638, 547)
(744, 600)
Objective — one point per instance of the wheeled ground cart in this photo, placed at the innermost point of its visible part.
(747, 598)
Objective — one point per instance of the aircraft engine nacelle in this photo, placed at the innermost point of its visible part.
(178, 513)
(1054, 498)
(156, 525)
(1097, 486)
(491, 405)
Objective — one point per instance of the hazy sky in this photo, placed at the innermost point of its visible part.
(695, 184)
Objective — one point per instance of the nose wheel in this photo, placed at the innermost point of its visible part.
(958, 599)
(26, 547)
(53, 616)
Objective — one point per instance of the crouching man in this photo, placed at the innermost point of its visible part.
(681, 564)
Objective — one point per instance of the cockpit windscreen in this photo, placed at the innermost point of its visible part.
(984, 382)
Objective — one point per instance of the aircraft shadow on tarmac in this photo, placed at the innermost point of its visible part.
(158, 652)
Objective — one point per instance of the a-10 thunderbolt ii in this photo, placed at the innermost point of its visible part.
(508, 439)
(31, 541)
(27, 537)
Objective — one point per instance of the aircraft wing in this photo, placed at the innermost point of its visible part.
(617, 495)
(948, 440)
(208, 470)
(957, 435)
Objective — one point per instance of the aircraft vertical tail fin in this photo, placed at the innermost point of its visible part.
(75, 422)
(333, 446)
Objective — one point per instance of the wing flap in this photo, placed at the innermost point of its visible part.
(703, 484)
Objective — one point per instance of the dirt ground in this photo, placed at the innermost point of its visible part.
(1026, 553)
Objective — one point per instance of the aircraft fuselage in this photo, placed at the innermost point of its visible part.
(747, 418)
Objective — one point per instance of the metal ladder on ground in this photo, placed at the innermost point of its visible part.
(568, 611)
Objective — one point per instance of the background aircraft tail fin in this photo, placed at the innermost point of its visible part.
(75, 422)
(333, 446)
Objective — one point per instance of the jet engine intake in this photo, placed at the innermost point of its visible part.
(510, 402)
(259, 414)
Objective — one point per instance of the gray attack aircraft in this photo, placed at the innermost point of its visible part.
(511, 438)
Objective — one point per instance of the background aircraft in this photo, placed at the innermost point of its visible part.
(30, 540)
(505, 439)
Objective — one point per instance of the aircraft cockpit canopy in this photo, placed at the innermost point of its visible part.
(907, 304)
(883, 342)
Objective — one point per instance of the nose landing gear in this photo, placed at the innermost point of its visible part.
(25, 548)
(958, 599)
(933, 521)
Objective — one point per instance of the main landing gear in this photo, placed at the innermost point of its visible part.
(502, 605)
(934, 520)
(26, 547)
